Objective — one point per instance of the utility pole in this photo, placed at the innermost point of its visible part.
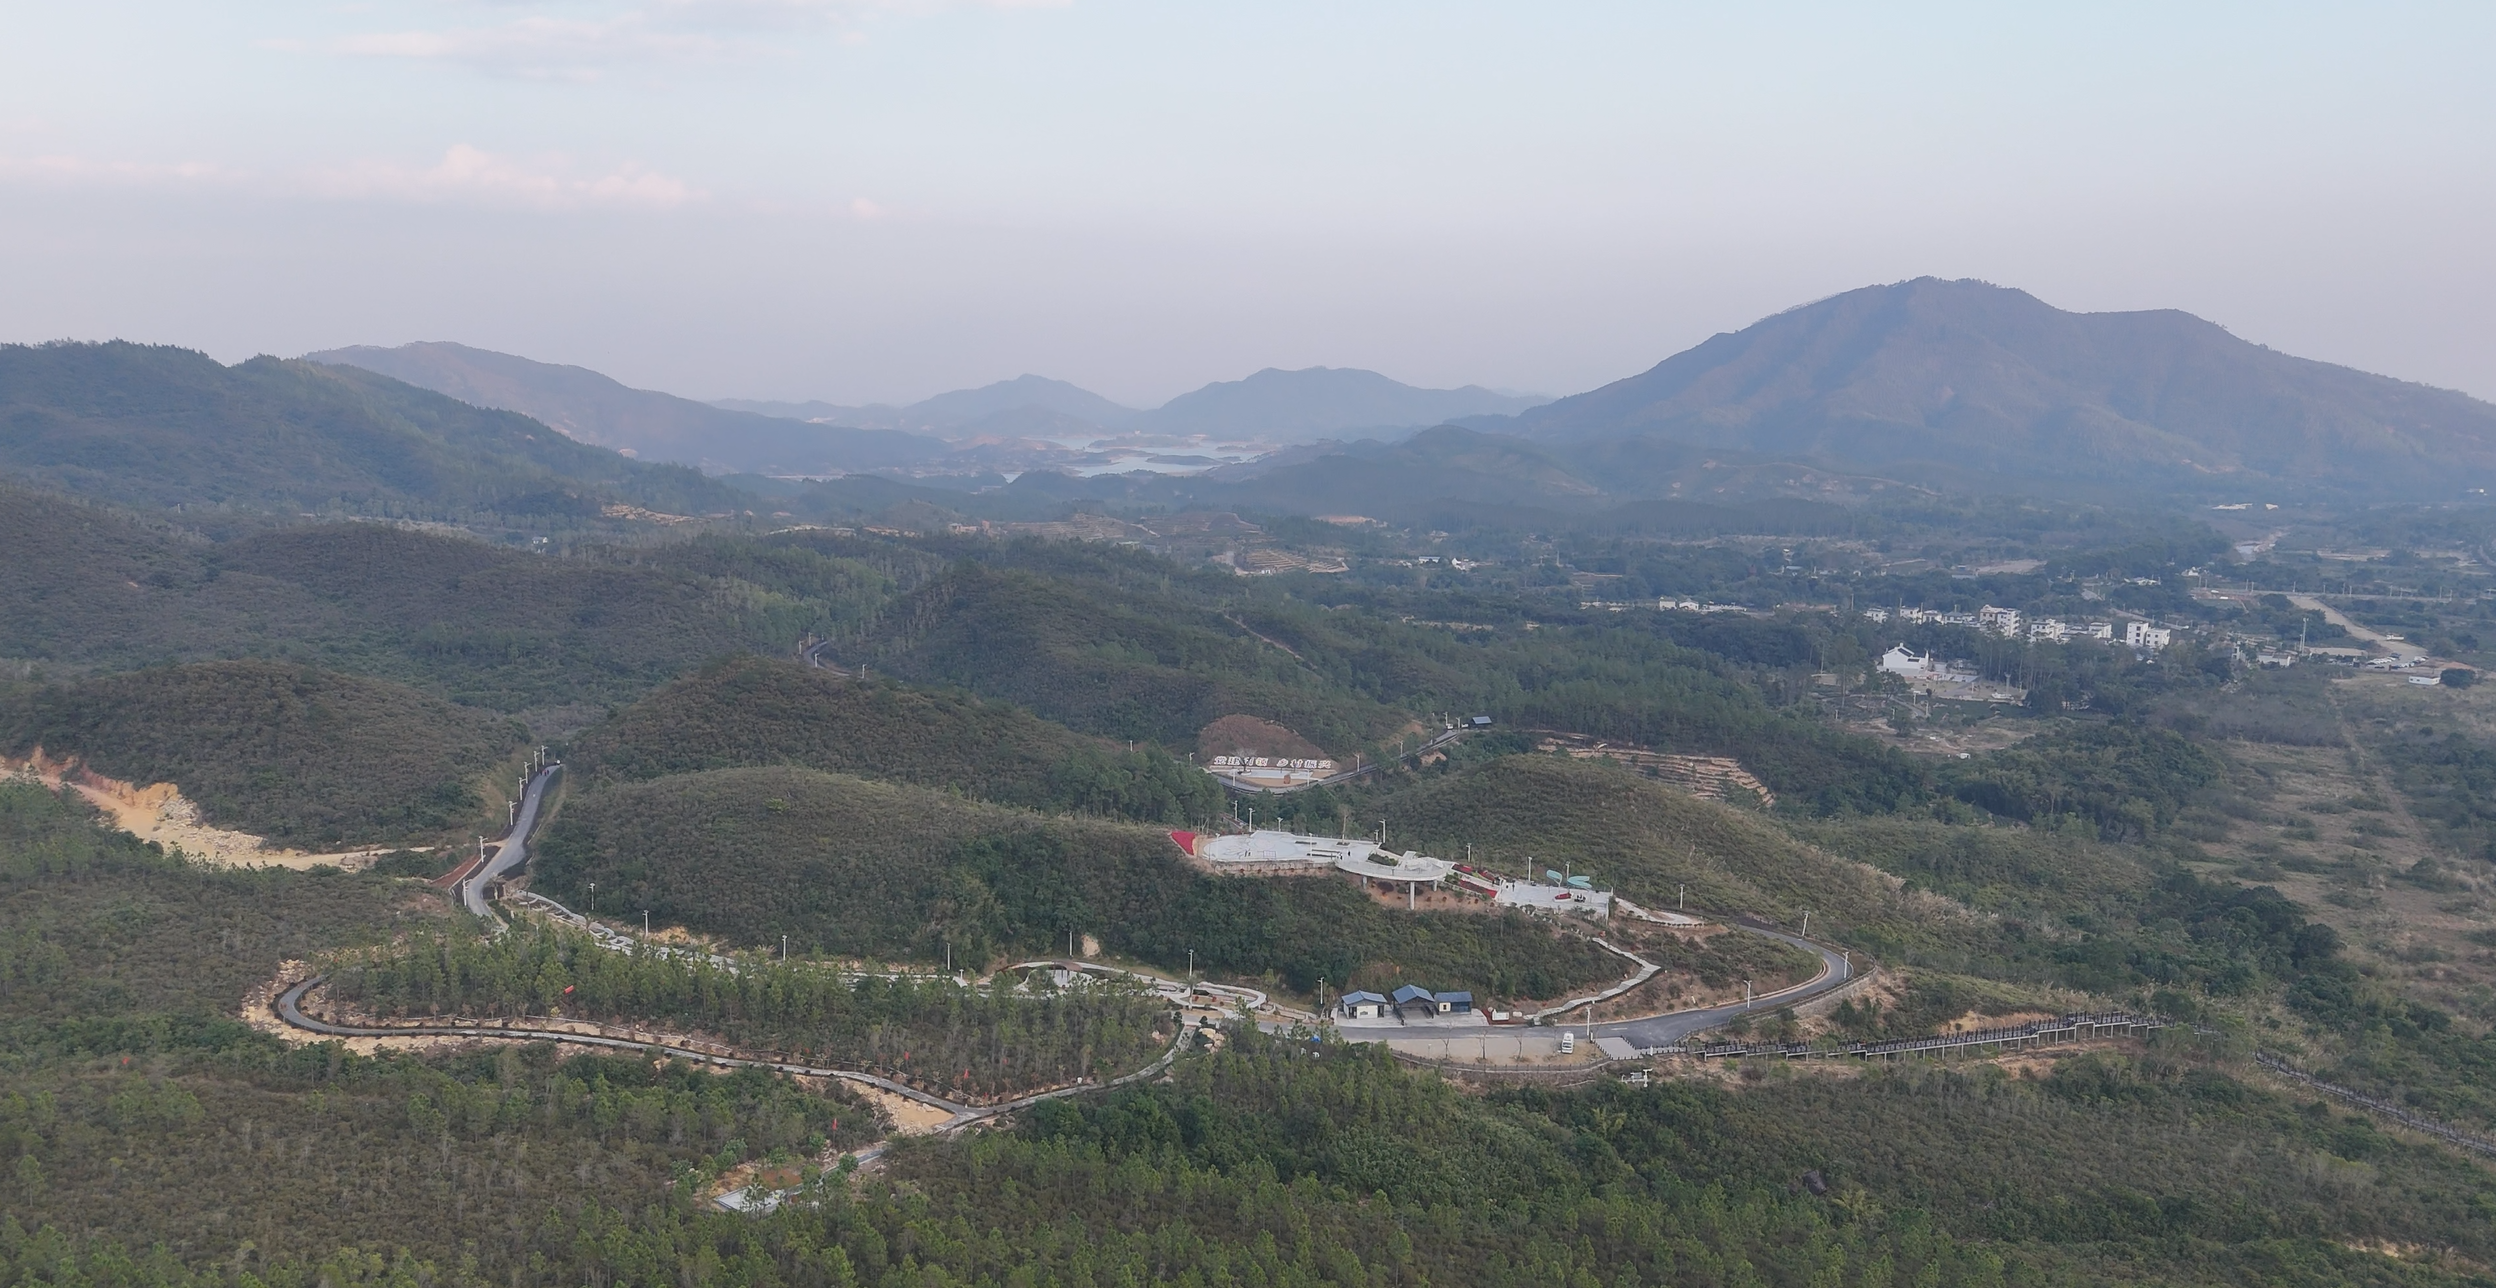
(1191, 965)
(1806, 924)
(1746, 993)
(593, 898)
(645, 923)
(784, 951)
(1681, 902)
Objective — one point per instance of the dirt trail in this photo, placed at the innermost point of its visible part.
(159, 812)
(2374, 638)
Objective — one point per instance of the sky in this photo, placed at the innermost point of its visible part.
(876, 201)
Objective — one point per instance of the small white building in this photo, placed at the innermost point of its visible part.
(2000, 621)
(1906, 661)
(2144, 635)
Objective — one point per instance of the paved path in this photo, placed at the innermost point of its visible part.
(2398, 648)
(289, 1008)
(1666, 1030)
(515, 849)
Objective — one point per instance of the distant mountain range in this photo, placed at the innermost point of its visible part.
(1919, 386)
(1025, 397)
(640, 422)
(1961, 382)
(756, 437)
(1320, 402)
(157, 427)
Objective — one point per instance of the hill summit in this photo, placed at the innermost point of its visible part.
(1953, 380)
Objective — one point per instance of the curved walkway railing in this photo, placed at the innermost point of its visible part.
(1646, 971)
(2068, 1028)
(289, 1008)
(2405, 1117)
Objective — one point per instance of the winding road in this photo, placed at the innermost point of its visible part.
(515, 847)
(1668, 1030)
(289, 1008)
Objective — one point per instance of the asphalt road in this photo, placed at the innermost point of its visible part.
(1665, 1030)
(515, 849)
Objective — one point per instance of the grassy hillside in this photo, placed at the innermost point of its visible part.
(990, 1041)
(1125, 662)
(756, 711)
(156, 426)
(844, 865)
(2105, 1170)
(140, 1117)
(306, 757)
(1646, 840)
(489, 626)
(128, 950)
(140, 1112)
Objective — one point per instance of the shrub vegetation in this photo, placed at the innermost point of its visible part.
(755, 711)
(848, 866)
(306, 757)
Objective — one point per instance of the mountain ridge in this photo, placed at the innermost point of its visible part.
(1319, 402)
(594, 408)
(1966, 376)
(159, 426)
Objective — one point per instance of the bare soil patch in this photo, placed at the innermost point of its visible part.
(1250, 736)
(159, 812)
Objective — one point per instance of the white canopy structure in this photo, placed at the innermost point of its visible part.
(1272, 851)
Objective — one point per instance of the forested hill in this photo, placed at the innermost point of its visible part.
(1954, 380)
(306, 757)
(160, 427)
(1148, 662)
(656, 426)
(747, 710)
(91, 588)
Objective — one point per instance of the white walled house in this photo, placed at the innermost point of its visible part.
(1906, 661)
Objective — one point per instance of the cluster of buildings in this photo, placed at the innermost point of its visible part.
(1406, 1003)
(1269, 852)
(1271, 773)
(2010, 624)
(1269, 762)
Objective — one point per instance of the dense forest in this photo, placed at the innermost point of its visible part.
(973, 1041)
(305, 757)
(853, 867)
(156, 427)
(991, 759)
(749, 710)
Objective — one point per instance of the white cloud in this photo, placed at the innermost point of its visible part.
(466, 175)
(548, 48)
(612, 36)
(86, 171)
(471, 175)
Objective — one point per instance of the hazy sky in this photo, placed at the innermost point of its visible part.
(857, 200)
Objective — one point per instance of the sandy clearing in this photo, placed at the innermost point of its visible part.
(159, 812)
(909, 1117)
